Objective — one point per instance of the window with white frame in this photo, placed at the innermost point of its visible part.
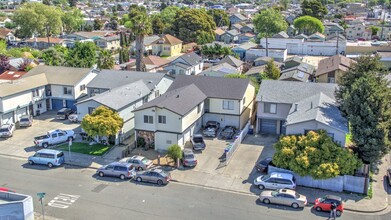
(67, 90)
(148, 119)
(198, 108)
(228, 105)
(162, 119)
(82, 87)
(270, 108)
(39, 105)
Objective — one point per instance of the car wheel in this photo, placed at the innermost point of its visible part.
(70, 139)
(266, 201)
(122, 177)
(101, 174)
(261, 186)
(160, 182)
(50, 165)
(139, 179)
(319, 209)
(31, 162)
(295, 205)
(45, 145)
(339, 213)
(139, 168)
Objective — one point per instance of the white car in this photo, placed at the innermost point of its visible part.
(7, 130)
(73, 118)
(139, 162)
(276, 180)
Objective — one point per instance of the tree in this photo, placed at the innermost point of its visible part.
(4, 63)
(269, 22)
(285, 3)
(158, 25)
(194, 25)
(220, 17)
(82, 55)
(72, 3)
(105, 60)
(374, 30)
(308, 25)
(365, 99)
(314, 154)
(32, 18)
(140, 24)
(102, 122)
(72, 20)
(272, 71)
(113, 23)
(54, 56)
(97, 24)
(174, 152)
(168, 15)
(25, 65)
(313, 8)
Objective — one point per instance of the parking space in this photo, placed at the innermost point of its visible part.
(21, 144)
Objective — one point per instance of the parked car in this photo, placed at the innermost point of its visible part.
(211, 129)
(54, 137)
(117, 169)
(47, 157)
(283, 197)
(63, 113)
(228, 132)
(197, 142)
(276, 180)
(7, 130)
(324, 204)
(73, 118)
(26, 121)
(263, 165)
(3, 189)
(154, 176)
(139, 162)
(389, 176)
(188, 158)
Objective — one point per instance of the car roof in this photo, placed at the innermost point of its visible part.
(281, 175)
(197, 135)
(25, 116)
(287, 191)
(116, 163)
(49, 151)
(137, 157)
(64, 109)
(333, 197)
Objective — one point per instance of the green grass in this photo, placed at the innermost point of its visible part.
(348, 139)
(370, 190)
(85, 148)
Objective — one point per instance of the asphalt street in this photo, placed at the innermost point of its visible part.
(77, 193)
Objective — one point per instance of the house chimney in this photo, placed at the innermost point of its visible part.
(296, 106)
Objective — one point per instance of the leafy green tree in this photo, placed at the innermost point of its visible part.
(72, 20)
(215, 51)
(272, 71)
(38, 18)
(3, 46)
(82, 55)
(158, 25)
(72, 3)
(313, 8)
(365, 98)
(374, 30)
(88, 27)
(174, 152)
(113, 23)
(285, 3)
(10, 25)
(308, 25)
(269, 22)
(220, 17)
(105, 60)
(53, 56)
(98, 25)
(168, 15)
(140, 24)
(102, 122)
(194, 25)
(314, 154)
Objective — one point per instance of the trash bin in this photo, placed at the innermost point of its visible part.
(37, 112)
(250, 130)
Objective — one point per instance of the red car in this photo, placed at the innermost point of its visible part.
(6, 190)
(324, 204)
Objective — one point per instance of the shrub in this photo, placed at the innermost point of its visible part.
(175, 152)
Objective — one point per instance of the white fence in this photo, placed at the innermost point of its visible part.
(338, 184)
(231, 148)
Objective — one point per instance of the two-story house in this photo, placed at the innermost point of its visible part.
(231, 36)
(330, 70)
(148, 40)
(237, 18)
(167, 45)
(43, 43)
(123, 91)
(187, 64)
(287, 107)
(111, 42)
(188, 104)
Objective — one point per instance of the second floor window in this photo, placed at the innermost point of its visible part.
(35, 93)
(162, 119)
(148, 119)
(82, 87)
(67, 91)
(270, 108)
(228, 105)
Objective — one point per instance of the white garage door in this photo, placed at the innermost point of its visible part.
(20, 113)
(8, 118)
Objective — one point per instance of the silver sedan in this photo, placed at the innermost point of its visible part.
(283, 197)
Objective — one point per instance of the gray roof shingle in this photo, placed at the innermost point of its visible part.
(190, 58)
(231, 61)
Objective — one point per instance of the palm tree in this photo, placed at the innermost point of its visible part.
(105, 60)
(140, 24)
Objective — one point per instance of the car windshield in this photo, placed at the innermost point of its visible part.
(198, 139)
(189, 156)
(297, 195)
(264, 177)
(3, 129)
(228, 129)
(145, 161)
(164, 174)
(60, 113)
(24, 119)
(274, 193)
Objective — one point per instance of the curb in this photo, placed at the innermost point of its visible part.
(78, 165)
(366, 211)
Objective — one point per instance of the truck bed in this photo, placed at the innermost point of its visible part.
(41, 137)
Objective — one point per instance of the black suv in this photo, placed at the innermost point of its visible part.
(63, 113)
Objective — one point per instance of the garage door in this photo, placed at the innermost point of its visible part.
(20, 113)
(268, 126)
(57, 104)
(71, 105)
(8, 118)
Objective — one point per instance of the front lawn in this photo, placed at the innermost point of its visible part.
(85, 148)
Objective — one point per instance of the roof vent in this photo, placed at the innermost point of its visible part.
(150, 81)
(296, 107)
(10, 72)
(177, 96)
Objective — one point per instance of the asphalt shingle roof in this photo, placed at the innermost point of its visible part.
(232, 61)
(190, 58)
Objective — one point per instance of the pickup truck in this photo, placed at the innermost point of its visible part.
(54, 137)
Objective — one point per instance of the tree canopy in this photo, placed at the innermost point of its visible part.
(314, 8)
(105, 60)
(220, 17)
(269, 22)
(102, 122)
(215, 50)
(72, 20)
(271, 71)
(82, 55)
(365, 99)
(55, 56)
(314, 154)
(308, 25)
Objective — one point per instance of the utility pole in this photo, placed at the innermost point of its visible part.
(336, 52)
(382, 23)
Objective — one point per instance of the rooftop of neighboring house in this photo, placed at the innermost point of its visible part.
(110, 79)
(219, 70)
(246, 45)
(155, 60)
(294, 74)
(22, 84)
(4, 32)
(11, 75)
(219, 31)
(190, 59)
(231, 60)
(336, 62)
(264, 60)
(214, 87)
(54, 40)
(281, 34)
(167, 39)
(94, 34)
(240, 16)
(237, 25)
(148, 40)
(232, 32)
(255, 70)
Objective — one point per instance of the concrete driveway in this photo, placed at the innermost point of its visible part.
(21, 144)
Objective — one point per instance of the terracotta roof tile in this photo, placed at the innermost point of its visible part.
(168, 39)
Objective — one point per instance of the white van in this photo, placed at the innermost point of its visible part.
(276, 180)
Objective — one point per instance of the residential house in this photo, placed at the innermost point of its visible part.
(291, 31)
(148, 40)
(218, 33)
(246, 37)
(152, 64)
(385, 58)
(167, 45)
(219, 70)
(110, 42)
(304, 72)
(237, 18)
(41, 89)
(231, 36)
(286, 107)
(41, 43)
(262, 61)
(279, 55)
(188, 104)
(83, 35)
(358, 31)
(236, 27)
(255, 72)
(7, 35)
(241, 49)
(330, 70)
(187, 64)
(292, 62)
(238, 64)
(123, 91)
(332, 28)
(187, 48)
(247, 28)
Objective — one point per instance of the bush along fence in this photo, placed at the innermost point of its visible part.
(231, 148)
(348, 183)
